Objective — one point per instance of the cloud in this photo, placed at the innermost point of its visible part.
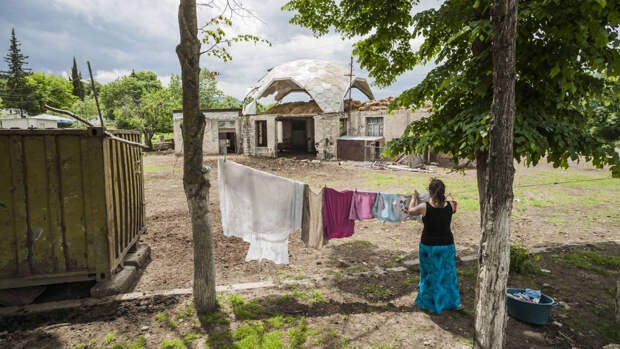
(117, 36)
(105, 76)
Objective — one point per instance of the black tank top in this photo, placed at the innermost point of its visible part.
(437, 226)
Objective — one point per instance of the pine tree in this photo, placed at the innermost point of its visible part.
(76, 79)
(17, 93)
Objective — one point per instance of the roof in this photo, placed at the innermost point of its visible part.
(325, 82)
(360, 138)
(54, 118)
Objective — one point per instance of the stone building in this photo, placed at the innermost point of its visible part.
(303, 128)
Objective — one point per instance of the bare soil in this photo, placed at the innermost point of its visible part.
(565, 218)
(372, 311)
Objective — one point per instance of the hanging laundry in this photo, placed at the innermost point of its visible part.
(386, 208)
(404, 202)
(361, 205)
(336, 207)
(261, 208)
(312, 232)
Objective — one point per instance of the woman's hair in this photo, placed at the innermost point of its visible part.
(437, 190)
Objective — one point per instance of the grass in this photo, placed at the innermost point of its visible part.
(377, 291)
(470, 273)
(410, 281)
(243, 310)
(592, 261)
(174, 344)
(109, 338)
(521, 261)
(152, 168)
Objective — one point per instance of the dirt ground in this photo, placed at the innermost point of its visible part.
(372, 311)
(581, 207)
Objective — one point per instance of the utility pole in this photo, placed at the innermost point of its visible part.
(350, 75)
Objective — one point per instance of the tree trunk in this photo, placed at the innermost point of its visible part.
(494, 254)
(148, 139)
(618, 302)
(195, 176)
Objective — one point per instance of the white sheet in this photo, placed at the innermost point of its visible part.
(261, 208)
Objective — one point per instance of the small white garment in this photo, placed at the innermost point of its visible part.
(261, 208)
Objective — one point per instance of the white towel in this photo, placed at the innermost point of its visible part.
(261, 208)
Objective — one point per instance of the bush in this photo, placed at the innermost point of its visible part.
(521, 261)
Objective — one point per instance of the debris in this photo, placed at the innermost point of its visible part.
(144, 328)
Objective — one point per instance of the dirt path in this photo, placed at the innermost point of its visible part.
(544, 214)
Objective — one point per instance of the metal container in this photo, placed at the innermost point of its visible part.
(71, 205)
(360, 148)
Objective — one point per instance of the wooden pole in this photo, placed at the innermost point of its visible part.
(92, 82)
(107, 133)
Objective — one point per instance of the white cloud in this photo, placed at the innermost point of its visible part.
(154, 19)
(164, 79)
(105, 76)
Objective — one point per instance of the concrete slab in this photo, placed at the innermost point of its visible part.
(140, 257)
(121, 282)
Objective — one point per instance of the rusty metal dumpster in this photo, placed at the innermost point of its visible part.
(71, 204)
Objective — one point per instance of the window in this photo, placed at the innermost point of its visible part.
(374, 127)
(261, 133)
(343, 127)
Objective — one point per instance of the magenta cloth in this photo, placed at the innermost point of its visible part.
(336, 207)
(361, 205)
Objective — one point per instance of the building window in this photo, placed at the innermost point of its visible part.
(374, 127)
(261, 133)
(343, 127)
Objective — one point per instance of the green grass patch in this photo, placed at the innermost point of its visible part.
(470, 273)
(377, 291)
(109, 338)
(245, 310)
(590, 260)
(152, 168)
(521, 261)
(188, 310)
(174, 344)
(410, 281)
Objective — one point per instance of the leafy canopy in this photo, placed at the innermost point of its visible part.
(134, 86)
(567, 50)
(53, 90)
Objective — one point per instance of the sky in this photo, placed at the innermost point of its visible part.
(117, 36)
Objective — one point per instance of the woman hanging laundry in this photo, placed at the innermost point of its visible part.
(439, 287)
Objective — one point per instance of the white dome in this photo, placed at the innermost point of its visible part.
(326, 82)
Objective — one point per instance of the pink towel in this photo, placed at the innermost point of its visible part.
(361, 205)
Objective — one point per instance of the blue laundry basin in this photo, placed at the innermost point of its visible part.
(532, 313)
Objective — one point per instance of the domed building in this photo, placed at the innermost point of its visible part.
(326, 126)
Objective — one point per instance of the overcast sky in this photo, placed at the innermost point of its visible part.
(120, 35)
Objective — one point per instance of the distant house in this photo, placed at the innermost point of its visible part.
(27, 123)
(62, 122)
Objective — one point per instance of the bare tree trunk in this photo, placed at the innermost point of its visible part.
(494, 254)
(195, 176)
(618, 302)
(148, 139)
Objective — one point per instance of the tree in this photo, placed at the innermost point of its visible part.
(55, 91)
(494, 253)
(133, 86)
(604, 113)
(17, 93)
(196, 177)
(76, 79)
(557, 64)
(210, 95)
(86, 108)
(152, 113)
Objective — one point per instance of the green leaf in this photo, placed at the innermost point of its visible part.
(554, 71)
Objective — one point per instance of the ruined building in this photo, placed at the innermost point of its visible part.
(320, 128)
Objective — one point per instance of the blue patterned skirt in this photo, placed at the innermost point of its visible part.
(439, 287)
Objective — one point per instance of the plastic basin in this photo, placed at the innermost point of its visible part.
(532, 313)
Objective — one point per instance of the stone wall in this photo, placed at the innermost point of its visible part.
(210, 144)
(326, 133)
(249, 136)
(394, 123)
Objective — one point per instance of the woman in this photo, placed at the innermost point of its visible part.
(439, 287)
